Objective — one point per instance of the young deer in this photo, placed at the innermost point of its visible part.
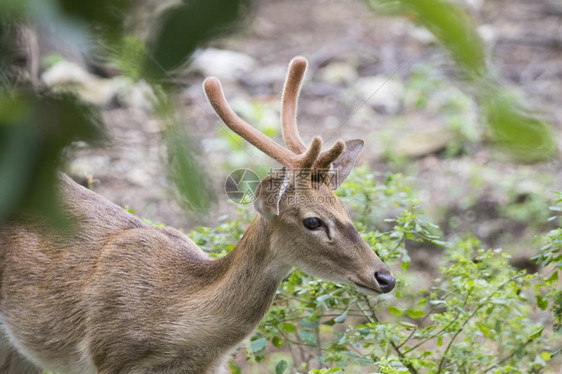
(118, 296)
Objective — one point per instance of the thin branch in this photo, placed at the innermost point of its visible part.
(403, 358)
(442, 361)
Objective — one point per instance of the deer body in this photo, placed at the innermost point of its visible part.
(129, 274)
(114, 295)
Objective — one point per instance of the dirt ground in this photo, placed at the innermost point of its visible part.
(353, 52)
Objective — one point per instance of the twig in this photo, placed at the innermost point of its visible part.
(373, 317)
(442, 361)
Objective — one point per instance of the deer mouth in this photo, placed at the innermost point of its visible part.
(366, 289)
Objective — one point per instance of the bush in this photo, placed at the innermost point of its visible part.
(480, 315)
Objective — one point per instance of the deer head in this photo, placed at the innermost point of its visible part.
(310, 227)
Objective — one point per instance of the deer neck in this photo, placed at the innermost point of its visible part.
(245, 281)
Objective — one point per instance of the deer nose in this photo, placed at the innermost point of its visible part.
(386, 280)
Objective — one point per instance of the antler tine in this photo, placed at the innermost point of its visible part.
(215, 95)
(307, 159)
(297, 68)
(330, 155)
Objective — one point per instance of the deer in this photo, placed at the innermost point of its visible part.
(114, 295)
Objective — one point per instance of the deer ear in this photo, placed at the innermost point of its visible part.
(343, 165)
(269, 194)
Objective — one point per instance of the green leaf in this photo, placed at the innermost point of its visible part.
(258, 344)
(552, 279)
(196, 21)
(31, 148)
(288, 327)
(106, 15)
(277, 341)
(415, 313)
(542, 302)
(405, 261)
(408, 326)
(397, 312)
(234, 368)
(192, 182)
(485, 330)
(536, 333)
(341, 318)
(453, 28)
(281, 367)
(522, 132)
(307, 336)
(308, 324)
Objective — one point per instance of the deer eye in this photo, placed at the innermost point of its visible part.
(312, 223)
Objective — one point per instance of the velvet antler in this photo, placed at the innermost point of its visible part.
(298, 155)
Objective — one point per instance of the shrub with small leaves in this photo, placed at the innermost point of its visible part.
(480, 315)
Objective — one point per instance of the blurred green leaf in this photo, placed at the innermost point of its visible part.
(11, 8)
(187, 26)
(191, 180)
(277, 342)
(519, 130)
(341, 318)
(258, 344)
(234, 368)
(281, 367)
(188, 175)
(104, 16)
(33, 132)
(542, 303)
(454, 29)
(394, 310)
(307, 336)
(288, 327)
(415, 313)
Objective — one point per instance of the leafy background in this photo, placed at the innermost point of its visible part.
(457, 101)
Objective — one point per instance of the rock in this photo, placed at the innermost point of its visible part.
(422, 143)
(475, 4)
(382, 93)
(338, 73)
(67, 75)
(488, 33)
(139, 177)
(87, 165)
(268, 75)
(421, 34)
(138, 95)
(227, 65)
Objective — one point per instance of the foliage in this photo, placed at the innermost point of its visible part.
(197, 22)
(44, 126)
(478, 315)
(512, 124)
(551, 254)
(551, 243)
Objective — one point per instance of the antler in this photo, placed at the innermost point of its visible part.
(298, 156)
(297, 68)
(216, 98)
(295, 75)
